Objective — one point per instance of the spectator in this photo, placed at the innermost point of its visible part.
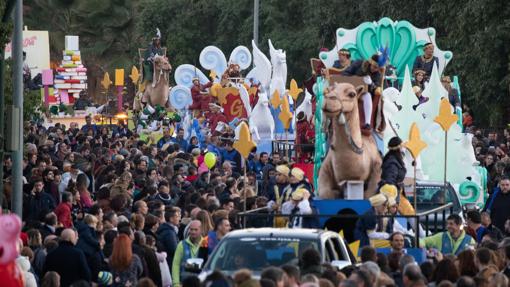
(498, 202)
(74, 267)
(453, 241)
(126, 267)
(167, 233)
(186, 249)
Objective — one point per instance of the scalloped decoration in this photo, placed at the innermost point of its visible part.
(404, 40)
(212, 58)
(185, 73)
(180, 97)
(241, 55)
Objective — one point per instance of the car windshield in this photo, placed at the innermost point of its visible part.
(256, 253)
(432, 196)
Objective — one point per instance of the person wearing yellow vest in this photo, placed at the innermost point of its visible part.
(186, 249)
(453, 241)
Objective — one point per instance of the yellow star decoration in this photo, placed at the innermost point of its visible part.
(224, 92)
(135, 76)
(212, 75)
(294, 90)
(445, 118)
(415, 145)
(245, 144)
(285, 115)
(106, 82)
(275, 99)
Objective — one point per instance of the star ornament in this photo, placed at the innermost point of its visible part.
(245, 144)
(415, 145)
(285, 115)
(445, 118)
(106, 82)
(275, 99)
(135, 75)
(294, 90)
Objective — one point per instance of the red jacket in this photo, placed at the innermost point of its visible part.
(200, 101)
(63, 212)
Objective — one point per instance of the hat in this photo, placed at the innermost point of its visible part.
(392, 201)
(195, 79)
(298, 194)
(378, 200)
(389, 190)
(283, 169)
(394, 143)
(374, 60)
(298, 173)
(195, 151)
(104, 278)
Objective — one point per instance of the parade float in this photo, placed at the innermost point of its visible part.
(63, 86)
(448, 155)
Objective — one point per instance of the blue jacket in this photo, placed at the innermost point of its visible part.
(168, 240)
(366, 222)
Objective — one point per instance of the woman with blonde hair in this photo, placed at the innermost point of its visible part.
(125, 266)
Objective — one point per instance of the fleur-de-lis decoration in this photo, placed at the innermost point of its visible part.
(415, 145)
(445, 118)
(245, 144)
(275, 99)
(285, 115)
(106, 82)
(294, 91)
(135, 75)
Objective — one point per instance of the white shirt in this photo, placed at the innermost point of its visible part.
(303, 208)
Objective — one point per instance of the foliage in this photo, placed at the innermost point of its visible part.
(32, 100)
(111, 31)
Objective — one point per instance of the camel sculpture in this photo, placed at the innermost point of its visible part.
(351, 155)
(156, 93)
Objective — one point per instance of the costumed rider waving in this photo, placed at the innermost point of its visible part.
(393, 175)
(152, 51)
(370, 70)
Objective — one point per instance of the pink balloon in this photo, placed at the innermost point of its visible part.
(202, 168)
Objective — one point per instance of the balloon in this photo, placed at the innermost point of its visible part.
(210, 159)
(10, 224)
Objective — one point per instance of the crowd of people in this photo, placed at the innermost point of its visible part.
(104, 207)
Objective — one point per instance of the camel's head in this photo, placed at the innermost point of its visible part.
(162, 63)
(340, 98)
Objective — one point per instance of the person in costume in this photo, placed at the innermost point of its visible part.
(344, 60)
(152, 51)
(453, 94)
(305, 135)
(199, 95)
(419, 79)
(421, 98)
(372, 228)
(426, 61)
(371, 73)
(231, 74)
(393, 175)
(214, 117)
